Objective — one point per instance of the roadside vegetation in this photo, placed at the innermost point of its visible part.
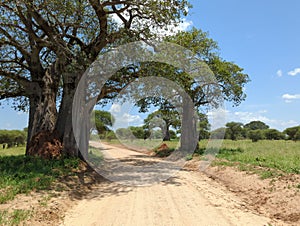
(22, 174)
(15, 217)
(265, 157)
(268, 158)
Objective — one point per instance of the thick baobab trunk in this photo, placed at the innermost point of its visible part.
(64, 121)
(64, 125)
(188, 139)
(167, 134)
(42, 111)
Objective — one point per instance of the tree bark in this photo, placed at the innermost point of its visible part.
(167, 134)
(64, 124)
(64, 121)
(42, 109)
(188, 140)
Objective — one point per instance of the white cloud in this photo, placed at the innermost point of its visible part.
(279, 73)
(246, 117)
(131, 118)
(288, 98)
(125, 120)
(115, 108)
(184, 25)
(22, 113)
(294, 72)
(8, 125)
(172, 29)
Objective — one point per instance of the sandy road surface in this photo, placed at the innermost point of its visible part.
(188, 198)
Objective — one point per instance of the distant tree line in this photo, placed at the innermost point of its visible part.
(142, 132)
(255, 130)
(10, 138)
(157, 126)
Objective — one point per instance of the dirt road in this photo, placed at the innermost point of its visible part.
(187, 198)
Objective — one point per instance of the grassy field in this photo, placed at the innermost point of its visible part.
(279, 155)
(12, 151)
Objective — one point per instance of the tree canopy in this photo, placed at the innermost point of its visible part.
(102, 121)
(293, 133)
(254, 125)
(47, 45)
(234, 129)
(163, 119)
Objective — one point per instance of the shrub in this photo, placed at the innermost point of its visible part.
(273, 134)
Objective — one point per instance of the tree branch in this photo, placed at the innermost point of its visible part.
(18, 78)
(12, 42)
(17, 93)
(101, 40)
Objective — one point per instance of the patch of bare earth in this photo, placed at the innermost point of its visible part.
(277, 198)
(49, 207)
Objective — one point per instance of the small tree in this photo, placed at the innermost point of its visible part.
(163, 119)
(110, 135)
(204, 126)
(173, 135)
(102, 121)
(255, 135)
(138, 132)
(234, 129)
(297, 135)
(291, 132)
(123, 133)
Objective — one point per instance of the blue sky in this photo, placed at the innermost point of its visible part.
(263, 37)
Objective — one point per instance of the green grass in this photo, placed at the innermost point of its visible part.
(268, 158)
(22, 174)
(12, 151)
(278, 155)
(14, 217)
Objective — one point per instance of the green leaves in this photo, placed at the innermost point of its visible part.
(102, 120)
(37, 34)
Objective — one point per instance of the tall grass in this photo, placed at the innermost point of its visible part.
(281, 155)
